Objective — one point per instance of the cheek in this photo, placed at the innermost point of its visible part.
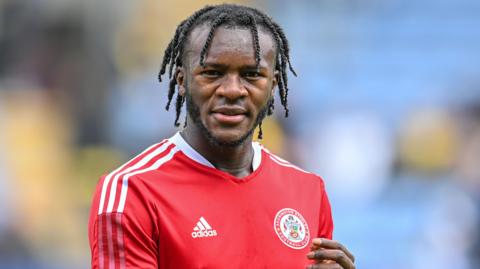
(261, 94)
(201, 96)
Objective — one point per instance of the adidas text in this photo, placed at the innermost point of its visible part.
(208, 233)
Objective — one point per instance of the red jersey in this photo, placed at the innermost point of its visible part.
(169, 207)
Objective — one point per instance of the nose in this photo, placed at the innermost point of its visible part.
(232, 88)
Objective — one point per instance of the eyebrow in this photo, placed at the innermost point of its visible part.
(214, 65)
(223, 66)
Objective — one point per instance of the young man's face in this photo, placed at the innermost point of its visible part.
(228, 97)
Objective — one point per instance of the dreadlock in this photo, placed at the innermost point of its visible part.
(230, 15)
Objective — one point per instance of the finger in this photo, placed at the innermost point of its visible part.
(331, 244)
(324, 261)
(336, 255)
(324, 266)
(314, 247)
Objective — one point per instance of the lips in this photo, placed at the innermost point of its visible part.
(229, 115)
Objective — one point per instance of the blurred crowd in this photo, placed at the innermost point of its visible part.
(386, 108)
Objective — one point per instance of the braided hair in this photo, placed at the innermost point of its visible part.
(229, 15)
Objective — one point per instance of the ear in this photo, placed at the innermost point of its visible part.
(180, 78)
(275, 81)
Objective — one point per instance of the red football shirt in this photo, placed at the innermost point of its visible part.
(170, 208)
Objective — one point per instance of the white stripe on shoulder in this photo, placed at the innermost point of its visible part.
(257, 155)
(140, 164)
(178, 140)
(275, 156)
(289, 165)
(283, 162)
(109, 176)
(156, 165)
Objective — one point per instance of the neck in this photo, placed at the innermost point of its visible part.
(235, 160)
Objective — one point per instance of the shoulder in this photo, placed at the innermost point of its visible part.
(286, 166)
(150, 159)
(113, 187)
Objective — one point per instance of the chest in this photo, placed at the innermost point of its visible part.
(204, 224)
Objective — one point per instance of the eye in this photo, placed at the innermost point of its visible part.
(252, 74)
(211, 73)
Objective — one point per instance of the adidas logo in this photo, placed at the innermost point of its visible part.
(203, 229)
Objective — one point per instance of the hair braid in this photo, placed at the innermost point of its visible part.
(172, 51)
(186, 27)
(282, 89)
(169, 52)
(271, 106)
(260, 131)
(281, 62)
(171, 92)
(178, 108)
(214, 26)
(285, 45)
(256, 44)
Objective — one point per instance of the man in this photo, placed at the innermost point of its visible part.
(208, 197)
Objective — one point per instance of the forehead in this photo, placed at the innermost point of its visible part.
(229, 40)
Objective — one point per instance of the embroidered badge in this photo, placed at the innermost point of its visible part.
(291, 228)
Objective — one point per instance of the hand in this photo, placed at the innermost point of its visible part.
(330, 254)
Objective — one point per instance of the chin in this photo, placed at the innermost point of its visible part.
(228, 138)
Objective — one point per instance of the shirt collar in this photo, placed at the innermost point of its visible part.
(188, 150)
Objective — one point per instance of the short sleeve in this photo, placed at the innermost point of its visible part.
(125, 239)
(325, 228)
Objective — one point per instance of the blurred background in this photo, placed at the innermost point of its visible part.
(386, 108)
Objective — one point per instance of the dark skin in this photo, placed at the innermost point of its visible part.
(229, 93)
(330, 254)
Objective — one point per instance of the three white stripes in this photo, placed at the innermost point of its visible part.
(156, 165)
(127, 173)
(202, 225)
(120, 174)
(107, 181)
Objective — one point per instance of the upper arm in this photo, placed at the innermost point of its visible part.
(125, 239)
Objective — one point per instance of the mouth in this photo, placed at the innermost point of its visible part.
(229, 115)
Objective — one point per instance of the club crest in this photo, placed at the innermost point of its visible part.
(291, 228)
